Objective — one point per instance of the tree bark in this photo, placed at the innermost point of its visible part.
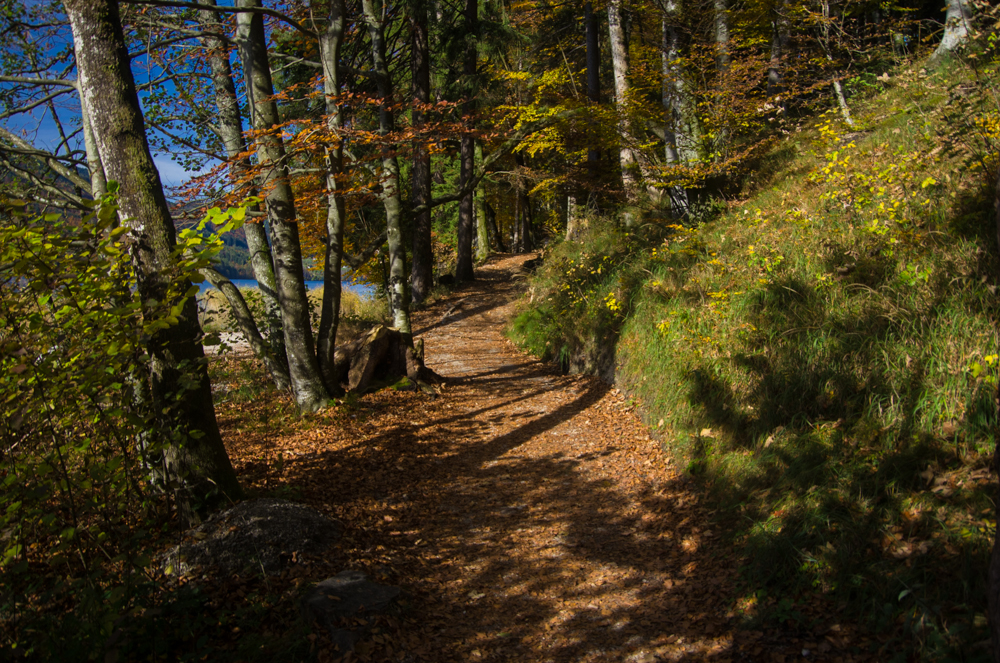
(993, 579)
(674, 134)
(229, 124)
(180, 389)
(956, 27)
(523, 220)
(779, 47)
(330, 42)
(467, 156)
(98, 182)
(491, 221)
(390, 173)
(247, 324)
(482, 231)
(619, 63)
(593, 73)
(422, 269)
(722, 56)
(307, 383)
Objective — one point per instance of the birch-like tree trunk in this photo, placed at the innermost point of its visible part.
(422, 269)
(330, 42)
(620, 64)
(838, 89)
(674, 134)
(956, 27)
(482, 232)
(182, 394)
(229, 124)
(721, 18)
(303, 367)
(593, 72)
(391, 197)
(467, 154)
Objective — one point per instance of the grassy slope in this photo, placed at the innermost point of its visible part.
(823, 356)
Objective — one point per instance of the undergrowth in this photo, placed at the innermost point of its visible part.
(823, 357)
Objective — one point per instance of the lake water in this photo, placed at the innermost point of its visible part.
(363, 290)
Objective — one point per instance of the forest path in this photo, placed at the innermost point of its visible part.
(530, 515)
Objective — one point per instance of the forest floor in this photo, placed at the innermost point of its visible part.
(530, 516)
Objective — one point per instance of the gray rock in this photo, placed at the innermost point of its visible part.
(261, 534)
(349, 598)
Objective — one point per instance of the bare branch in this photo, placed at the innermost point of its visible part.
(38, 81)
(232, 10)
(45, 158)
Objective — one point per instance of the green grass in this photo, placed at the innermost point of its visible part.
(822, 357)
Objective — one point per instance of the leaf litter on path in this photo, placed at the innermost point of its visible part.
(530, 516)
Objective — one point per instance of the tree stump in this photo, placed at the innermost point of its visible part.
(383, 355)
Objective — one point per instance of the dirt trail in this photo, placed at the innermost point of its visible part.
(529, 514)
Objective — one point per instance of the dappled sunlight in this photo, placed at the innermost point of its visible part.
(531, 515)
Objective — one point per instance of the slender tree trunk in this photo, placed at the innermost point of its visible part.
(245, 321)
(98, 182)
(572, 217)
(619, 63)
(180, 387)
(779, 47)
(390, 173)
(482, 232)
(230, 127)
(422, 270)
(526, 241)
(467, 156)
(672, 103)
(722, 56)
(593, 74)
(491, 221)
(330, 42)
(993, 578)
(307, 383)
(838, 90)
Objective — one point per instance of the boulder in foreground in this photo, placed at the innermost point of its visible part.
(263, 535)
(346, 604)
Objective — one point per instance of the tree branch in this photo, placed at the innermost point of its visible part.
(232, 10)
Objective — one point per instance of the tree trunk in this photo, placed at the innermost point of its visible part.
(181, 390)
(993, 580)
(722, 56)
(390, 173)
(467, 157)
(838, 90)
(98, 182)
(244, 318)
(523, 221)
(491, 221)
(779, 48)
(229, 124)
(482, 231)
(330, 42)
(307, 383)
(674, 134)
(573, 217)
(619, 63)
(593, 74)
(956, 27)
(422, 270)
